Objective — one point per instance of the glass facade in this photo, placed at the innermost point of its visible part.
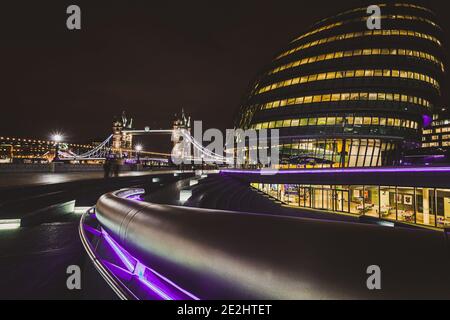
(415, 205)
(333, 153)
(339, 101)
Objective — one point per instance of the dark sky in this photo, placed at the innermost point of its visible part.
(149, 58)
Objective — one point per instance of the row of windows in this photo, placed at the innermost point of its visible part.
(327, 27)
(349, 96)
(340, 23)
(336, 121)
(443, 137)
(436, 144)
(352, 35)
(422, 206)
(442, 130)
(437, 130)
(443, 122)
(409, 5)
(406, 5)
(360, 52)
(351, 74)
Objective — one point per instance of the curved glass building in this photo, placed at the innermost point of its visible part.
(343, 95)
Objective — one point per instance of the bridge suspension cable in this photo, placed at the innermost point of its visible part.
(99, 152)
(208, 155)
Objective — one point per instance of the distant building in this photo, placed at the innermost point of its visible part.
(435, 149)
(13, 149)
(438, 135)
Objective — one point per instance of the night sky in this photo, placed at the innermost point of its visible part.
(146, 57)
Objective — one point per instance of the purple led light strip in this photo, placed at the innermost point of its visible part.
(113, 245)
(347, 170)
(124, 256)
(136, 197)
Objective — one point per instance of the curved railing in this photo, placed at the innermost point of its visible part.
(127, 276)
(84, 230)
(191, 253)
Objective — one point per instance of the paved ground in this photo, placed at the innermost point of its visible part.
(34, 259)
(29, 179)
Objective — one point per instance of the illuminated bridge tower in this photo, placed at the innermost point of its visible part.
(181, 148)
(117, 135)
(346, 96)
(121, 139)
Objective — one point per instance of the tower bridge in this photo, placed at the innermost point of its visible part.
(120, 144)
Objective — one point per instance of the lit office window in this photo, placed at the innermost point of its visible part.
(369, 33)
(351, 74)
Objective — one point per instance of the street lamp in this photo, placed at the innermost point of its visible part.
(57, 138)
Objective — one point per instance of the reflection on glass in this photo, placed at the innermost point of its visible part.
(443, 207)
(405, 204)
(388, 204)
(317, 197)
(292, 194)
(371, 201)
(357, 200)
(423, 206)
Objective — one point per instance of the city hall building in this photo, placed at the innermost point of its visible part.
(343, 95)
(350, 98)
